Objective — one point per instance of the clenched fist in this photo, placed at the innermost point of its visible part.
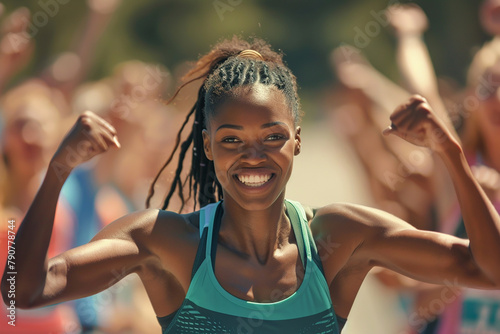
(90, 136)
(416, 122)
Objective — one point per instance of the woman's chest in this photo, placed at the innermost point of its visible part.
(245, 278)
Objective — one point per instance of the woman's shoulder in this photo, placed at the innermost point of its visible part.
(342, 208)
(349, 216)
(338, 209)
(172, 220)
(154, 223)
(189, 220)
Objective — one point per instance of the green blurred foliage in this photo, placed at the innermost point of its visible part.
(173, 31)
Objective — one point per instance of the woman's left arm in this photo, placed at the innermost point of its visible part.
(479, 263)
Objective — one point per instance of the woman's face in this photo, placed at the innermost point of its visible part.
(252, 140)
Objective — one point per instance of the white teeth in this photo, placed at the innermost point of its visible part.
(254, 180)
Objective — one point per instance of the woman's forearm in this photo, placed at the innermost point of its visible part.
(481, 219)
(33, 237)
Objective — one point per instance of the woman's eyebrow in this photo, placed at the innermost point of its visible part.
(239, 127)
(268, 125)
(229, 126)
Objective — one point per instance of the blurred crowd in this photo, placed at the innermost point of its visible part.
(406, 181)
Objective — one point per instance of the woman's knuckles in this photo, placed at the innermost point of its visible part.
(88, 138)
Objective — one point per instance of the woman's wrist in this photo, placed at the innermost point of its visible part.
(452, 153)
(58, 171)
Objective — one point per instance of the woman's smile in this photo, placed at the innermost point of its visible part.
(252, 141)
(254, 180)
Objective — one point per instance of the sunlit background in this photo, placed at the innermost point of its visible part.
(173, 32)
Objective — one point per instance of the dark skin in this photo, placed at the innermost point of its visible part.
(252, 140)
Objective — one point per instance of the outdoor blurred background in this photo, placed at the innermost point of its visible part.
(122, 59)
(173, 32)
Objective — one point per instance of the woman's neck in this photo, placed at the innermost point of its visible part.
(255, 233)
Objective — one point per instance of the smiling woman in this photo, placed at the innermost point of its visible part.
(250, 260)
(252, 140)
(234, 73)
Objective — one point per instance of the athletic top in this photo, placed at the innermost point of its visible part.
(208, 308)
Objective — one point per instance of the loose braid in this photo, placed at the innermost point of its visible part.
(222, 71)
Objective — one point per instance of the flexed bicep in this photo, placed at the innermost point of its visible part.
(112, 254)
(427, 256)
(88, 269)
(367, 237)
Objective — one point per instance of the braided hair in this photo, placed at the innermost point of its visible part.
(222, 71)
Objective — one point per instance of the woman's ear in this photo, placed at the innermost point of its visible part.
(206, 144)
(297, 141)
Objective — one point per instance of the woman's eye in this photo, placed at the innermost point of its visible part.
(275, 137)
(230, 140)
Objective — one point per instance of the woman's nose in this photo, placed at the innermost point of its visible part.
(253, 153)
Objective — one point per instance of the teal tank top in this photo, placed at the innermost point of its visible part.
(208, 308)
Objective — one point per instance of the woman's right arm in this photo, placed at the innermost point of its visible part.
(88, 269)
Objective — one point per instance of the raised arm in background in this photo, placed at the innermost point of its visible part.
(409, 23)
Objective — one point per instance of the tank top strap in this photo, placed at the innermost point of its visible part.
(313, 249)
(207, 214)
(297, 229)
(315, 255)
